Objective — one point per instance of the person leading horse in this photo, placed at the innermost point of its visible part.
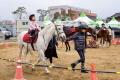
(80, 45)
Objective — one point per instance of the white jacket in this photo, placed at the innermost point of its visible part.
(34, 25)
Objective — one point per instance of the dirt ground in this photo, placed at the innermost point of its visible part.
(103, 58)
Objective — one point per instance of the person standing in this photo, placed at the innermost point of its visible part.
(80, 45)
(103, 26)
(51, 50)
(110, 34)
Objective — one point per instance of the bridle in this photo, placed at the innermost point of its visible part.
(58, 33)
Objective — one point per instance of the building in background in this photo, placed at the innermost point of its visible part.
(21, 25)
(72, 12)
(116, 15)
(116, 32)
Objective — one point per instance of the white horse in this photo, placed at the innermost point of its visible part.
(44, 37)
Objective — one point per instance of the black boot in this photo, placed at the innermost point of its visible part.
(73, 66)
(83, 69)
(32, 44)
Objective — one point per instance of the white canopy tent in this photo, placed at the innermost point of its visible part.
(114, 23)
(68, 22)
(84, 18)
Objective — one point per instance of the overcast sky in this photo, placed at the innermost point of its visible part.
(103, 8)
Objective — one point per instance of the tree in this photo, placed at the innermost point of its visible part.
(42, 13)
(57, 15)
(19, 12)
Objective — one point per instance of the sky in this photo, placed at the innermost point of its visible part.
(103, 8)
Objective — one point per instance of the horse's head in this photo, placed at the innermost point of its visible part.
(60, 32)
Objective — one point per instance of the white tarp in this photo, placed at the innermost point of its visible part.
(84, 18)
(114, 23)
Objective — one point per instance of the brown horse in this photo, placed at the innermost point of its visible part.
(92, 32)
(103, 34)
(71, 30)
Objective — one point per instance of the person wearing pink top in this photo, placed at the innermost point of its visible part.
(34, 28)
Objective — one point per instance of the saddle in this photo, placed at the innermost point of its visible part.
(69, 30)
(28, 39)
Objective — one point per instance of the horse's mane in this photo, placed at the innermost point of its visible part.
(43, 30)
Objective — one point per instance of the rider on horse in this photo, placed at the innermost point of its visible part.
(103, 27)
(34, 28)
(33, 25)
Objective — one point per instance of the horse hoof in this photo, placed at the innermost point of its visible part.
(47, 72)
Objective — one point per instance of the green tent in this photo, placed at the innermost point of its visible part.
(114, 23)
(84, 18)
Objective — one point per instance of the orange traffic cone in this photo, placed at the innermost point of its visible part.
(114, 41)
(118, 41)
(19, 72)
(93, 75)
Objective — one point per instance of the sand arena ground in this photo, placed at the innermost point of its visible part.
(103, 58)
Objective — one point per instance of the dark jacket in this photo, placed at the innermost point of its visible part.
(51, 49)
(79, 40)
(52, 44)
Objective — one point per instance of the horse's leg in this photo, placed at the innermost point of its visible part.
(42, 57)
(26, 52)
(20, 52)
(69, 46)
(103, 42)
(100, 42)
(66, 46)
(109, 40)
(62, 44)
(30, 50)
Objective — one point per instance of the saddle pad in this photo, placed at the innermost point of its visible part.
(27, 38)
